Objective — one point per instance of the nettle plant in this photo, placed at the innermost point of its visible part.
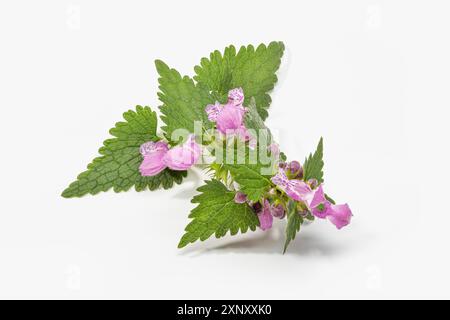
(216, 121)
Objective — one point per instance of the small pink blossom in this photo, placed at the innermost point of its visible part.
(339, 215)
(153, 153)
(229, 118)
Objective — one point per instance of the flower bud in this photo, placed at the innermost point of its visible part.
(278, 211)
(282, 165)
(236, 97)
(257, 207)
(294, 170)
(240, 197)
(313, 183)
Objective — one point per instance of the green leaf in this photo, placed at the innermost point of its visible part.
(250, 179)
(118, 165)
(184, 102)
(256, 125)
(248, 169)
(253, 70)
(313, 166)
(330, 199)
(294, 221)
(217, 213)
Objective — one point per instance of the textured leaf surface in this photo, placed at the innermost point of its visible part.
(253, 121)
(253, 70)
(252, 118)
(314, 164)
(249, 170)
(294, 221)
(217, 213)
(118, 165)
(184, 102)
(250, 179)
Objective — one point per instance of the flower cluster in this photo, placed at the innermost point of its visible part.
(250, 185)
(288, 184)
(229, 118)
(309, 197)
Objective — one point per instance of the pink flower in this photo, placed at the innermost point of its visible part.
(153, 153)
(183, 157)
(265, 217)
(318, 204)
(340, 215)
(158, 156)
(229, 118)
(295, 189)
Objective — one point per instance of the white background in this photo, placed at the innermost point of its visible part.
(372, 77)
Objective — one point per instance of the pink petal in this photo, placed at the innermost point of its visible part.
(298, 190)
(340, 215)
(322, 210)
(229, 119)
(151, 166)
(319, 204)
(153, 153)
(319, 197)
(213, 111)
(236, 97)
(183, 157)
(265, 217)
(295, 189)
(152, 147)
(280, 179)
